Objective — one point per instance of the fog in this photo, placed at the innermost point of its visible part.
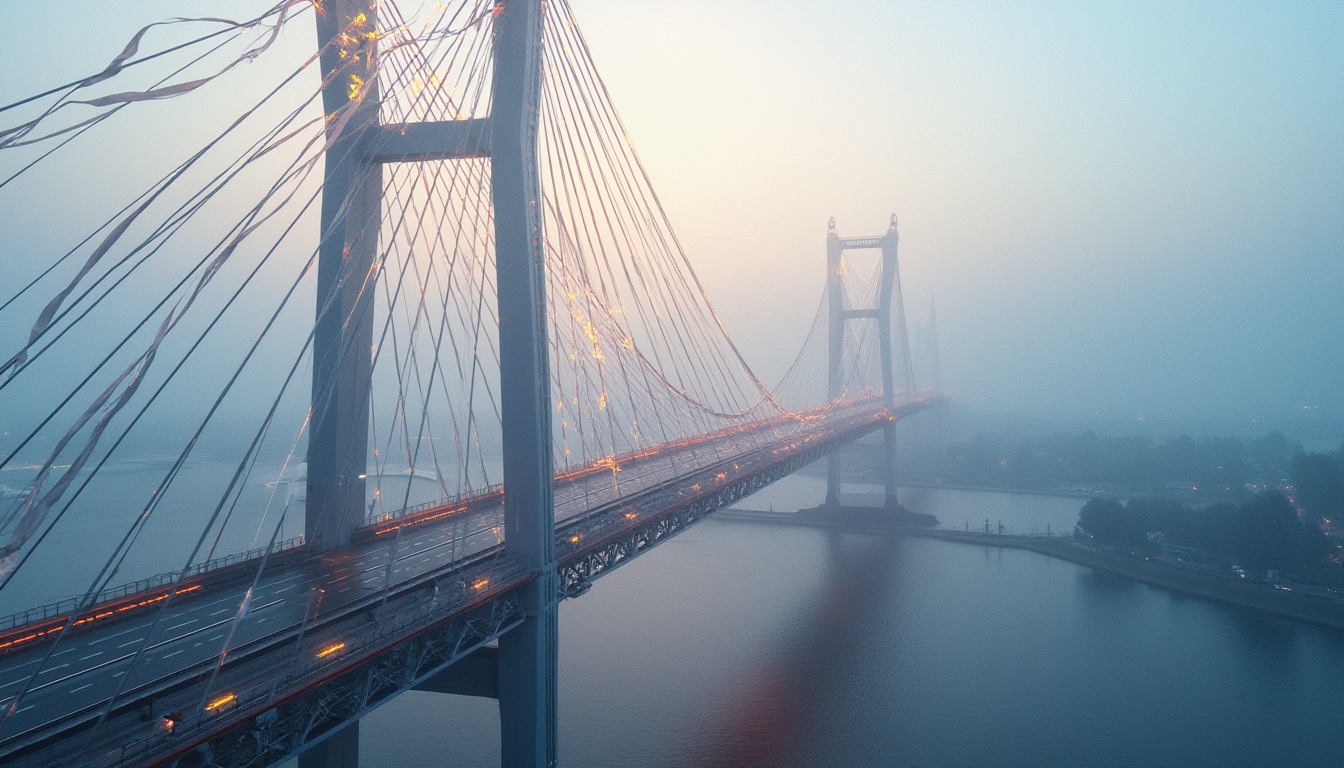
(1127, 214)
(1125, 211)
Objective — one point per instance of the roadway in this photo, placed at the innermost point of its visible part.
(303, 609)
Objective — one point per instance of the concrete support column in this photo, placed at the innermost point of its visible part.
(835, 346)
(884, 306)
(339, 750)
(338, 439)
(528, 686)
(527, 654)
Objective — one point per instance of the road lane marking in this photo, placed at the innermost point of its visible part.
(264, 606)
(119, 634)
(86, 670)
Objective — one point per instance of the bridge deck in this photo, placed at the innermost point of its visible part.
(308, 619)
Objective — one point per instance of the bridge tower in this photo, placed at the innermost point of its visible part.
(342, 345)
(889, 304)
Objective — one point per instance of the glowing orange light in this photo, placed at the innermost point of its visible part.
(432, 514)
(227, 698)
(56, 625)
(480, 583)
(330, 649)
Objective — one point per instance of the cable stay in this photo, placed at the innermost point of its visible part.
(156, 362)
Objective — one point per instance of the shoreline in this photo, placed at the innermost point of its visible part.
(1062, 494)
(1313, 609)
(1058, 493)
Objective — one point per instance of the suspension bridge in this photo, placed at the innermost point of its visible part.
(347, 398)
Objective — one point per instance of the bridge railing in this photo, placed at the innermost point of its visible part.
(71, 604)
(460, 498)
(295, 677)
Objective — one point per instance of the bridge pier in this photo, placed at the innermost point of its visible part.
(528, 689)
(889, 305)
(338, 441)
(835, 346)
(339, 750)
(476, 675)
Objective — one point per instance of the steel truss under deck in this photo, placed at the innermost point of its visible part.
(268, 734)
(271, 724)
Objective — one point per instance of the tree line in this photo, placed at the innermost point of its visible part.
(1261, 534)
(1283, 530)
(1132, 464)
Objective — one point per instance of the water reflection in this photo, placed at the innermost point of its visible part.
(764, 723)
(740, 644)
(956, 509)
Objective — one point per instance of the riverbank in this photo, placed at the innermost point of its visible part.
(1201, 498)
(1315, 609)
(1060, 493)
(1324, 611)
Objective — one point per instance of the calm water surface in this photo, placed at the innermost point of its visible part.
(742, 644)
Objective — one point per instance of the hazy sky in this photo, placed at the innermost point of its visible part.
(1127, 209)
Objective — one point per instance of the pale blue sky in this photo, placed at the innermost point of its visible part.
(1131, 208)
(1124, 208)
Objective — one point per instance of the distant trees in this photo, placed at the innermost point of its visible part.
(1269, 456)
(1134, 464)
(1132, 523)
(1107, 520)
(1260, 534)
(1318, 479)
(1265, 532)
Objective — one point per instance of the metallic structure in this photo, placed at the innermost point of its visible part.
(338, 446)
(338, 443)
(889, 306)
(298, 686)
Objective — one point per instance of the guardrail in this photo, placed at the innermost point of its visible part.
(71, 604)
(465, 496)
(261, 695)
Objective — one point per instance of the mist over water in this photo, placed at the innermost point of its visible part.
(742, 644)
(1131, 218)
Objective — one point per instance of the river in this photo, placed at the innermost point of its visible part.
(744, 644)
